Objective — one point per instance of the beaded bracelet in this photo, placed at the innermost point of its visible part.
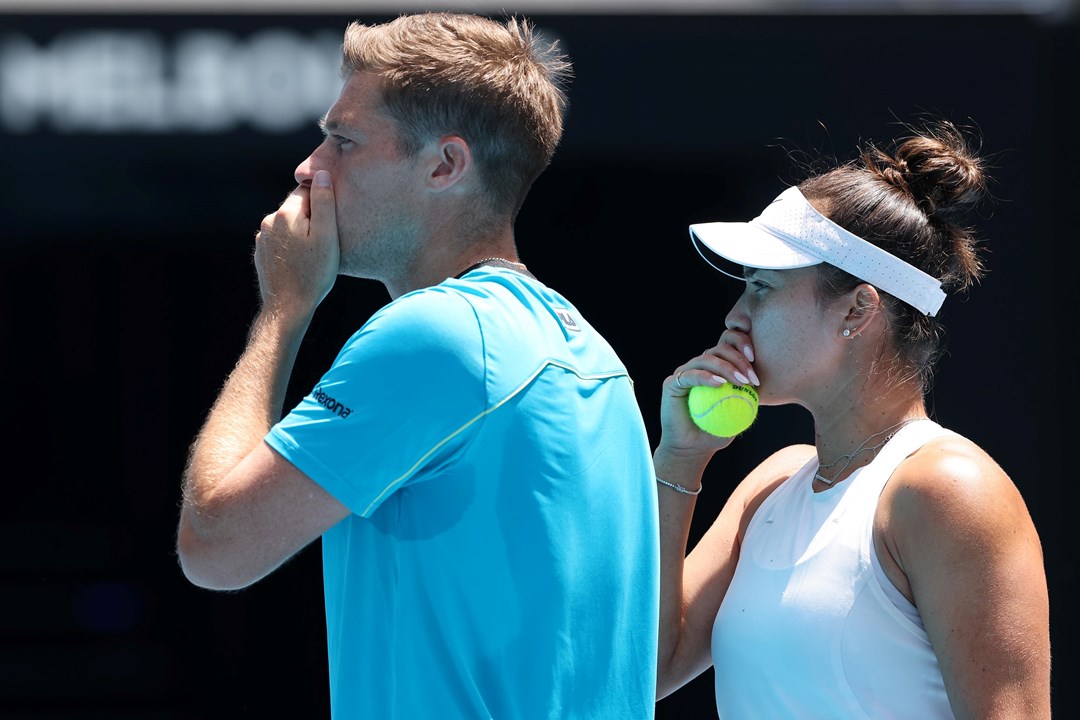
(677, 488)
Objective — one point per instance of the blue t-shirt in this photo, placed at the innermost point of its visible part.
(502, 560)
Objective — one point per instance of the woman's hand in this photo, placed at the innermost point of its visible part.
(729, 360)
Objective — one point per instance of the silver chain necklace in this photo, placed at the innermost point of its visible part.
(501, 262)
(850, 457)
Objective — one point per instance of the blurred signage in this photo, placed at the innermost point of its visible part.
(202, 81)
(141, 79)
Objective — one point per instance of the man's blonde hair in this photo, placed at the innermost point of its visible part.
(496, 84)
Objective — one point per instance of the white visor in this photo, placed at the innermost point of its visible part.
(790, 233)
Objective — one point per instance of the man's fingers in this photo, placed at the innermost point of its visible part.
(323, 207)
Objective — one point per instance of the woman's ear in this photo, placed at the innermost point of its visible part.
(863, 305)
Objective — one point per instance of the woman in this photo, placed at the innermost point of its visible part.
(890, 570)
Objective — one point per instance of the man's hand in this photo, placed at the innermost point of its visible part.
(246, 509)
(296, 250)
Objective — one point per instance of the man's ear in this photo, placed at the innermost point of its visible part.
(451, 162)
(863, 305)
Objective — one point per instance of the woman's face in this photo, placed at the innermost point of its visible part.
(794, 337)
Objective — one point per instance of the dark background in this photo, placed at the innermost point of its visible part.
(127, 290)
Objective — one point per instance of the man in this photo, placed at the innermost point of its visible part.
(474, 461)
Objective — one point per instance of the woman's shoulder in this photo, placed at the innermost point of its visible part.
(784, 462)
(951, 482)
(770, 473)
(948, 464)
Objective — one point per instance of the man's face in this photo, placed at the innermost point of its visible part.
(377, 189)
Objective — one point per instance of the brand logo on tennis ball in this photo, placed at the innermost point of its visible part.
(725, 411)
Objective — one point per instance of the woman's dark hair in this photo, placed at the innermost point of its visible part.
(911, 199)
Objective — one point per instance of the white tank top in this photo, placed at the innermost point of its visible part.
(808, 629)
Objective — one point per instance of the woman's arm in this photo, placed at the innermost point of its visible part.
(972, 563)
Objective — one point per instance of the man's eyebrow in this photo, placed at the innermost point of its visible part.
(330, 126)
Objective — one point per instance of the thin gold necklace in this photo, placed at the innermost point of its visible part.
(850, 457)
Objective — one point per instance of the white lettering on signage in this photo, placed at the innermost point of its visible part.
(120, 81)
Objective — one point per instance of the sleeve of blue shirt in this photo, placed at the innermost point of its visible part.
(400, 401)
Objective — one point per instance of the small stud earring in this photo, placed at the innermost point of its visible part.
(847, 333)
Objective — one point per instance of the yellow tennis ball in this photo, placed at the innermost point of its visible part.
(723, 411)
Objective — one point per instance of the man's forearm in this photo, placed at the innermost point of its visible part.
(249, 403)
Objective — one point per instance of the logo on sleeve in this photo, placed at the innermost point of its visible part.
(330, 403)
(567, 319)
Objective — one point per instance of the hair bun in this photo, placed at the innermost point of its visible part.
(937, 168)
